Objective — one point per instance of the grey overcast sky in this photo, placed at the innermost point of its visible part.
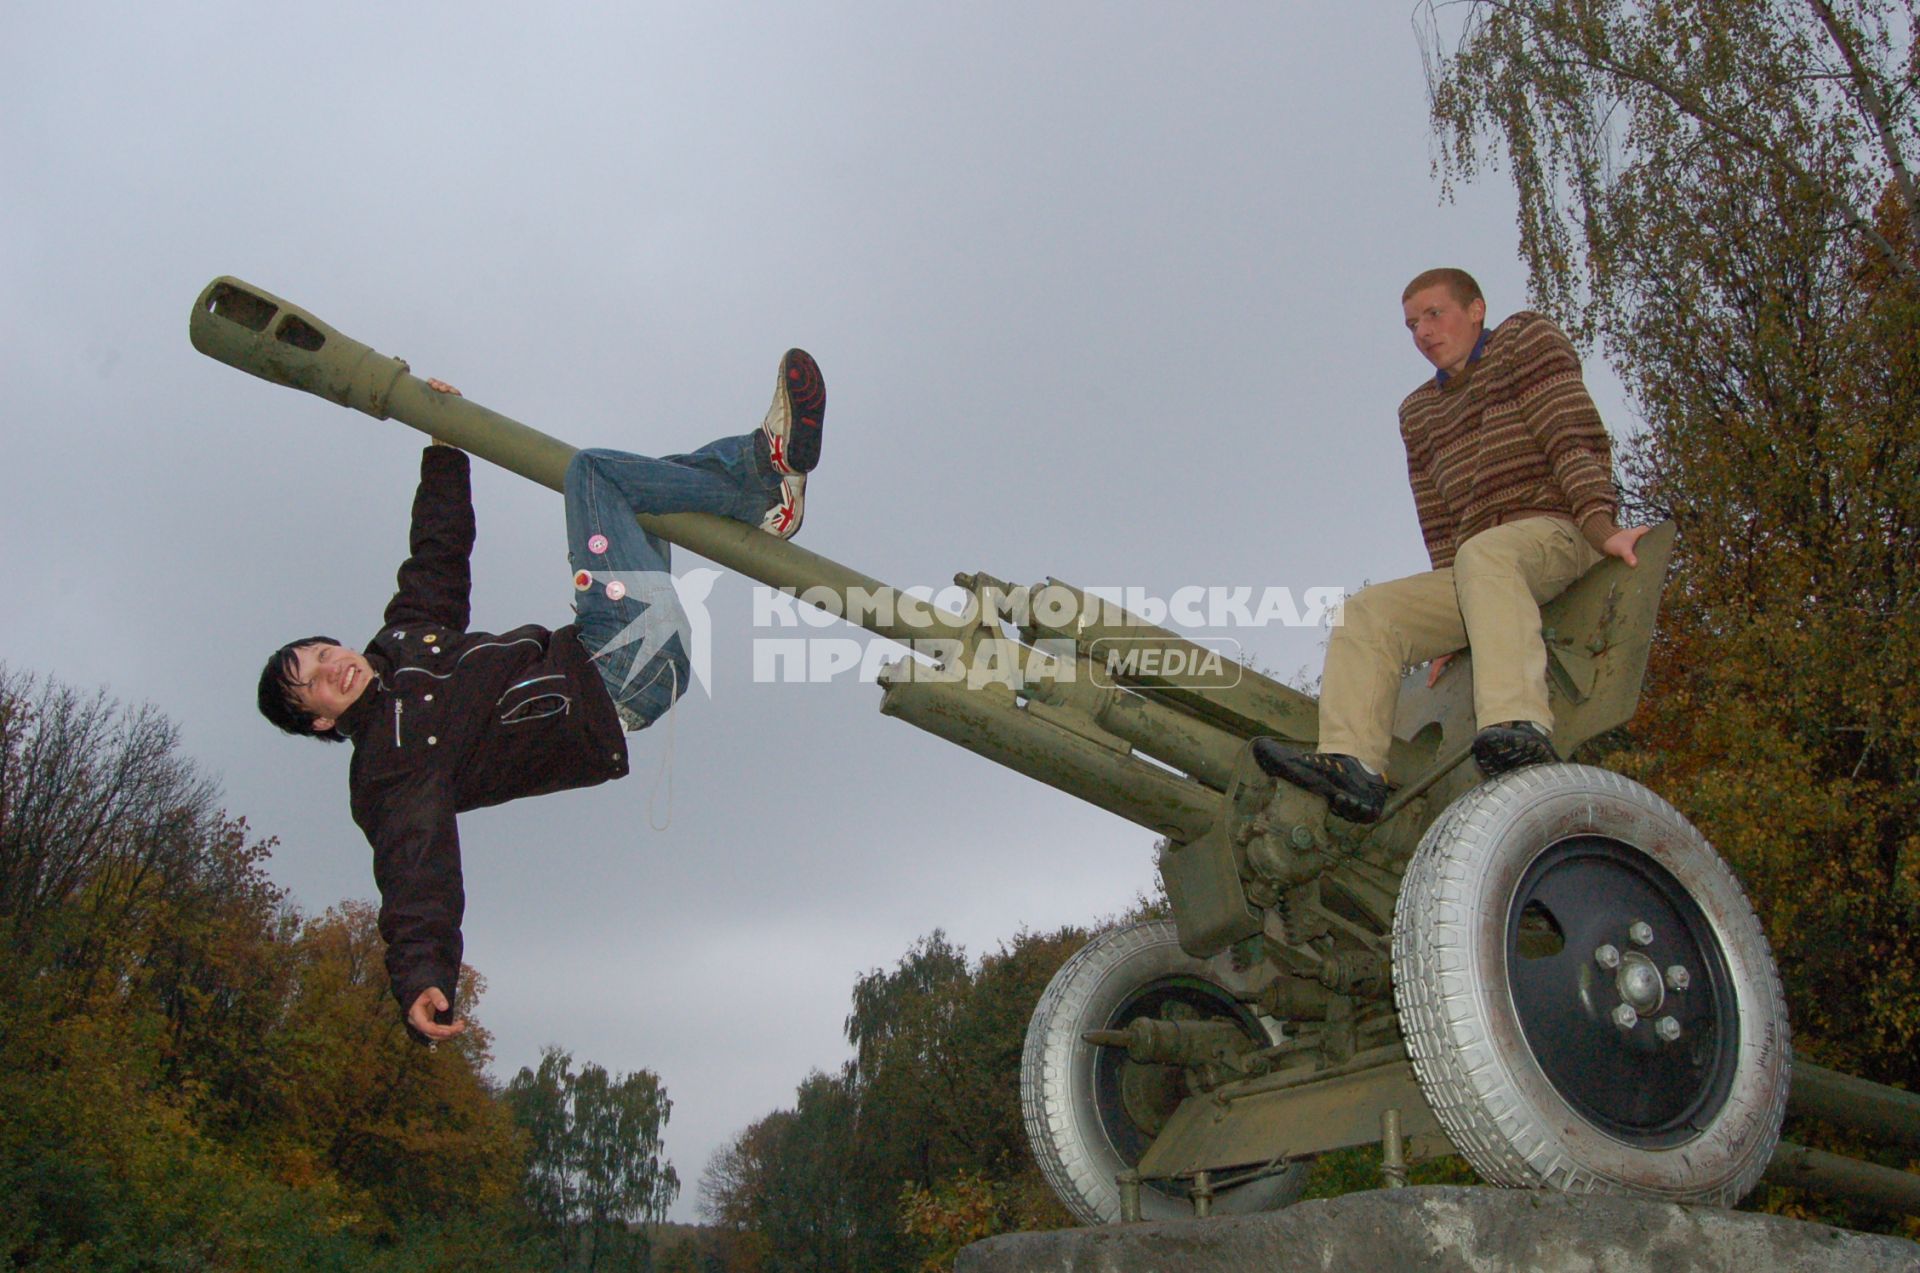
(1106, 291)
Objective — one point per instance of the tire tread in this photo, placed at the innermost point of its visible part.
(1452, 1051)
(1063, 1144)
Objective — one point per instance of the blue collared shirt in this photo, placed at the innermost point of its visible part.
(1479, 347)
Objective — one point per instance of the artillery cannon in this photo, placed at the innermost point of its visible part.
(1551, 972)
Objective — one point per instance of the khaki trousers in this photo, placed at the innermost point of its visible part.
(1489, 600)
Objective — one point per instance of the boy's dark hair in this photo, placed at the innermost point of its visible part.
(276, 692)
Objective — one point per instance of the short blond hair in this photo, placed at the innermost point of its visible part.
(1459, 282)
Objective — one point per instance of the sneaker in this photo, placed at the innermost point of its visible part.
(783, 516)
(792, 426)
(1513, 745)
(1352, 791)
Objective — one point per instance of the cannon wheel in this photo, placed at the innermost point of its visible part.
(1091, 1112)
(1537, 906)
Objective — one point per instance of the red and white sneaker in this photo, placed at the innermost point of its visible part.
(783, 517)
(792, 426)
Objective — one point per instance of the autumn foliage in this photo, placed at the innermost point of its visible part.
(1725, 195)
(193, 1074)
(916, 1147)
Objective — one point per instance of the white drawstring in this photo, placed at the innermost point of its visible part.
(665, 773)
(666, 760)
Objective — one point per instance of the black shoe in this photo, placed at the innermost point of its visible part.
(1351, 792)
(1514, 745)
(792, 426)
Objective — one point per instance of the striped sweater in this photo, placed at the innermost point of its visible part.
(1512, 435)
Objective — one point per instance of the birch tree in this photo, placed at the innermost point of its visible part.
(1722, 194)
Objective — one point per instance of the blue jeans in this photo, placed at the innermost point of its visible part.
(630, 620)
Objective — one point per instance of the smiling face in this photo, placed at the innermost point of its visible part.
(327, 680)
(1444, 330)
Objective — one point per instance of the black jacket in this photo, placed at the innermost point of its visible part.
(458, 720)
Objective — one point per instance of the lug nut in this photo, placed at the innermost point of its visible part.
(1667, 1028)
(1678, 978)
(1641, 933)
(1625, 1017)
(1607, 957)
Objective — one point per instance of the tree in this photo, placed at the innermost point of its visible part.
(938, 1045)
(1724, 194)
(130, 913)
(192, 1075)
(795, 1190)
(1616, 117)
(962, 1211)
(901, 1029)
(595, 1171)
(401, 1130)
(736, 1192)
(101, 823)
(918, 1143)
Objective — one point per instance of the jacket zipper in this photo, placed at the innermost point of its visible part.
(532, 680)
(472, 649)
(397, 705)
(522, 711)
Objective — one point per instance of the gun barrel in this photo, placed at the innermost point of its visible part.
(259, 333)
(1238, 698)
(994, 727)
(256, 332)
(1850, 1179)
(1873, 1110)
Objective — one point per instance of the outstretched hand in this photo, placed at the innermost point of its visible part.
(1620, 544)
(420, 1015)
(441, 386)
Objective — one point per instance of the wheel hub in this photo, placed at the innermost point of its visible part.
(1631, 1018)
(1133, 1100)
(1639, 983)
(1149, 1094)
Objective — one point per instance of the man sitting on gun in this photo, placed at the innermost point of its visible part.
(443, 720)
(1513, 481)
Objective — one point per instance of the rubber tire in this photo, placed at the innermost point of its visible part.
(1464, 1035)
(1057, 1097)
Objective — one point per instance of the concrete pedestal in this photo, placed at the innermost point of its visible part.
(1442, 1229)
